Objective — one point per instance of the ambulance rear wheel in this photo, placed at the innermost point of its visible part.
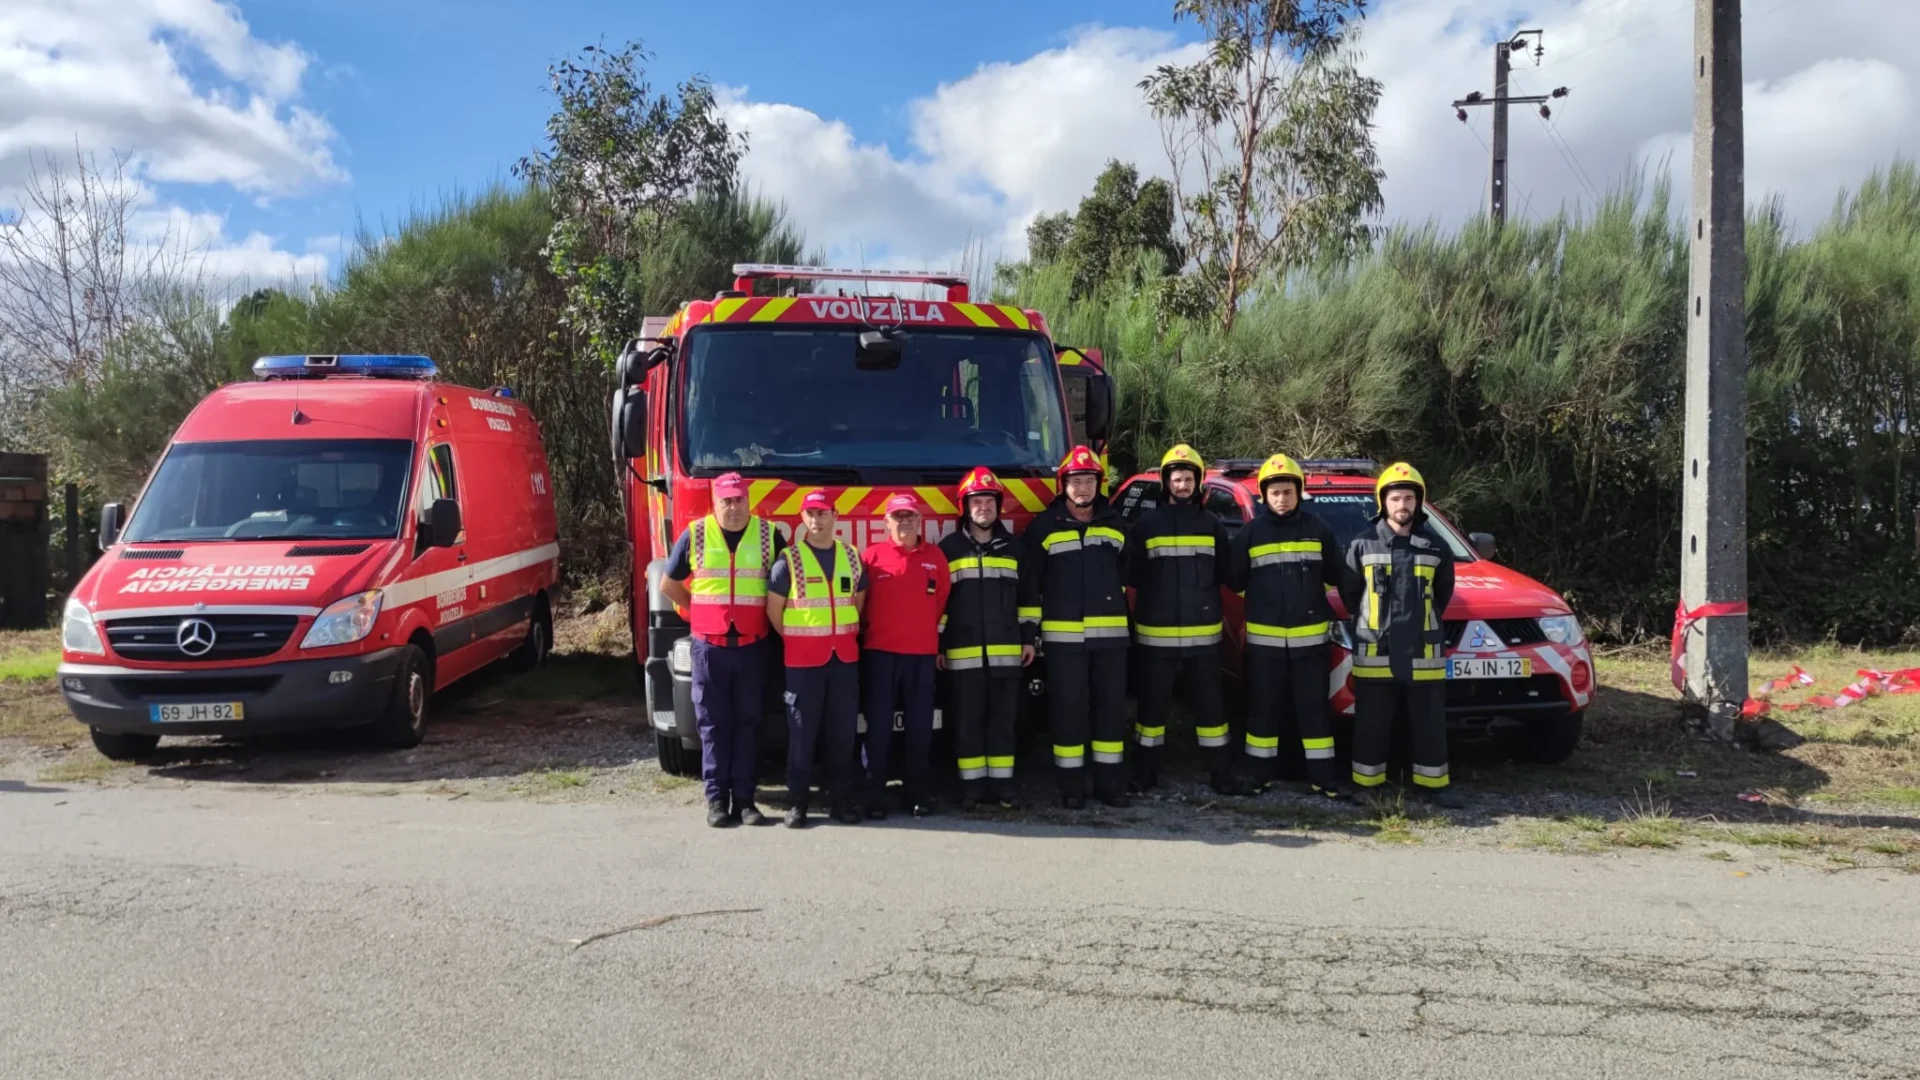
(532, 650)
(124, 746)
(403, 723)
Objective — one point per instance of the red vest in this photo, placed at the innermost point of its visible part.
(726, 592)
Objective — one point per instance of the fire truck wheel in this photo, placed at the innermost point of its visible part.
(532, 652)
(1553, 741)
(124, 746)
(676, 759)
(403, 723)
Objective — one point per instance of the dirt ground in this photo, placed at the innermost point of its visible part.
(1849, 797)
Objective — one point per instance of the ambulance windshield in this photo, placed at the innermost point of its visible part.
(768, 401)
(304, 489)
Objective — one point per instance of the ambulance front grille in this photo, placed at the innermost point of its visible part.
(152, 553)
(235, 637)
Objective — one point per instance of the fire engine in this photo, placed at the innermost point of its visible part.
(857, 395)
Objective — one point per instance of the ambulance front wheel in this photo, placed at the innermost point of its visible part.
(403, 722)
(124, 746)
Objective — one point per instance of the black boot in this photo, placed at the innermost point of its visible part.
(749, 814)
(1226, 783)
(969, 796)
(797, 816)
(847, 814)
(1146, 769)
(717, 815)
(1447, 799)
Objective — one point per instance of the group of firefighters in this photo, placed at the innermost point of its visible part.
(865, 631)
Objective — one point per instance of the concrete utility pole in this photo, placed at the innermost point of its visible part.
(1713, 552)
(1502, 67)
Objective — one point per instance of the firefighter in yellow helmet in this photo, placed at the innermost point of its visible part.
(1397, 579)
(1283, 562)
(1176, 564)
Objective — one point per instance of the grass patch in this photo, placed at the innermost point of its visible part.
(1894, 796)
(1720, 856)
(1791, 839)
(29, 666)
(82, 767)
(1885, 847)
(1647, 823)
(666, 782)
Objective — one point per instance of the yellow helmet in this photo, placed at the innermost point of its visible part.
(1398, 474)
(1182, 455)
(1280, 467)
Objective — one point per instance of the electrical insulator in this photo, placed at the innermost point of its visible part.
(1462, 114)
(1546, 113)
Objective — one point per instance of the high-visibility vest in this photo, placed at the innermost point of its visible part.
(730, 587)
(820, 622)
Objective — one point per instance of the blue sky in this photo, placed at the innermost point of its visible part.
(899, 134)
(434, 95)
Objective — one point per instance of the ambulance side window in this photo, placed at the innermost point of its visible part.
(440, 471)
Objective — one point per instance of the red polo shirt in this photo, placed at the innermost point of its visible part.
(906, 592)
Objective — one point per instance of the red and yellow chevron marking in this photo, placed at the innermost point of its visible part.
(853, 309)
(782, 498)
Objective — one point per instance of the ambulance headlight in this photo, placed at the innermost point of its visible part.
(681, 659)
(77, 632)
(344, 621)
(1562, 629)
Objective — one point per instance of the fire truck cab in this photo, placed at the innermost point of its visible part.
(857, 395)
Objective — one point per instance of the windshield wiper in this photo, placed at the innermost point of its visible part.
(828, 473)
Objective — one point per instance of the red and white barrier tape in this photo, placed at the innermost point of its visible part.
(1871, 683)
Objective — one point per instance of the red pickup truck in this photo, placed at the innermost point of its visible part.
(1518, 666)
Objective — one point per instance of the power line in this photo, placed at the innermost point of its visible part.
(1565, 148)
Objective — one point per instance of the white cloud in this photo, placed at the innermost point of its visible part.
(181, 86)
(1828, 99)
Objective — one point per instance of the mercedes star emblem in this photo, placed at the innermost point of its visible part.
(195, 637)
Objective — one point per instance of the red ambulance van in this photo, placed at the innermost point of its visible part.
(327, 546)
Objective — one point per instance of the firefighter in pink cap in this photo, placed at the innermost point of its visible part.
(813, 599)
(717, 573)
(909, 583)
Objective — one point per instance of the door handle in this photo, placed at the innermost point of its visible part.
(462, 557)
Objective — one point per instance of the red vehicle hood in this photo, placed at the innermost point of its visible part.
(1487, 590)
(253, 573)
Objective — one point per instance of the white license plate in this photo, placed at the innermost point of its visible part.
(199, 713)
(1478, 667)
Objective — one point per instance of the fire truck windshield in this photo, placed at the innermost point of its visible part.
(279, 489)
(765, 399)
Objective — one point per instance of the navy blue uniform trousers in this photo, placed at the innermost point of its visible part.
(729, 687)
(903, 682)
(822, 711)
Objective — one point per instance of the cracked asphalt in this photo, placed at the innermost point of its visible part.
(195, 932)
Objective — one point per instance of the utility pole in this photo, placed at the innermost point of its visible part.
(1712, 624)
(1502, 67)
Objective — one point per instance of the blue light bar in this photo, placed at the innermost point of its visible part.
(375, 366)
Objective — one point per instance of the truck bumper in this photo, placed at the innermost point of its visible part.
(292, 696)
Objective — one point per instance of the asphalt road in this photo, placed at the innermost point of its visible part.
(196, 932)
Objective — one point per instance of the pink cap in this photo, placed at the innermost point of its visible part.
(903, 503)
(729, 486)
(816, 500)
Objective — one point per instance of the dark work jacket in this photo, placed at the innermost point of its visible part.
(1397, 588)
(1073, 575)
(1176, 563)
(981, 629)
(1284, 567)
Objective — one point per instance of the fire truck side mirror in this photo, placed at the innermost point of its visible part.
(1484, 546)
(443, 523)
(112, 516)
(633, 425)
(1099, 408)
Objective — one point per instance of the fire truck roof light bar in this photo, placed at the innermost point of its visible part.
(745, 273)
(379, 366)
